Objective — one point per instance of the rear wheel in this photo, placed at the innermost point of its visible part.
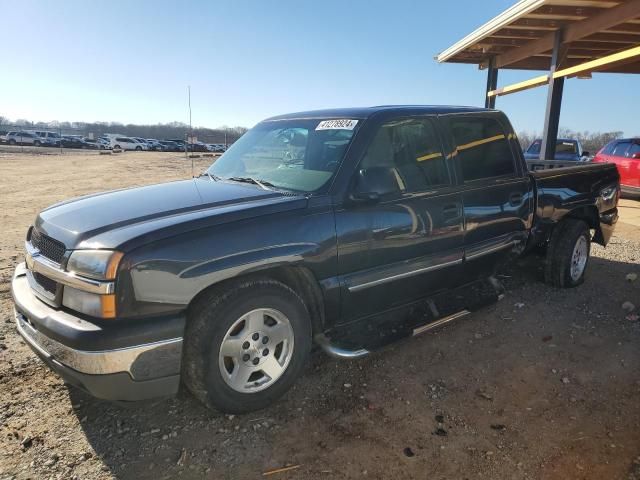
(12, 141)
(138, 148)
(37, 143)
(568, 254)
(117, 147)
(245, 345)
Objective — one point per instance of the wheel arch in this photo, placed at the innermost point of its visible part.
(590, 215)
(297, 277)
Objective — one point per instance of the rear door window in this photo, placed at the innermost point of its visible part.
(482, 148)
(633, 149)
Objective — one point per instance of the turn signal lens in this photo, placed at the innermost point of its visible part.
(100, 306)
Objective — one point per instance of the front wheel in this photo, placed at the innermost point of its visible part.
(138, 148)
(245, 345)
(568, 254)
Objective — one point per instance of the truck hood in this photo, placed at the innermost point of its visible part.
(137, 215)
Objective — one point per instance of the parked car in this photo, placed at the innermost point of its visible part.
(49, 138)
(625, 154)
(154, 144)
(95, 143)
(567, 149)
(3, 136)
(126, 143)
(143, 143)
(74, 141)
(197, 147)
(170, 146)
(181, 143)
(347, 227)
(216, 147)
(23, 138)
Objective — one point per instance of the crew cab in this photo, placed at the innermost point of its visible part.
(567, 149)
(348, 228)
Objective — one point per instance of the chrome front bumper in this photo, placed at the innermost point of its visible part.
(137, 365)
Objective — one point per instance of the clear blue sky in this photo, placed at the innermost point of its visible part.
(131, 61)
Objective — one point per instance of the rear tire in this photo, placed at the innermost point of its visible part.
(37, 143)
(12, 141)
(234, 333)
(138, 149)
(568, 254)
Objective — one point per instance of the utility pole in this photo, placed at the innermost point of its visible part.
(190, 131)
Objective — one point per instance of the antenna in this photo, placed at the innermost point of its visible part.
(190, 131)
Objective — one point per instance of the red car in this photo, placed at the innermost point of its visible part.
(625, 153)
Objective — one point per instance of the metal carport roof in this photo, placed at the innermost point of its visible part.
(567, 38)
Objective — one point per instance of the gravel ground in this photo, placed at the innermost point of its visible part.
(542, 385)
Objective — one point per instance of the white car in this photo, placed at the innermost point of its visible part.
(24, 138)
(127, 143)
(49, 138)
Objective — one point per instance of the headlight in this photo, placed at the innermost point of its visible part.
(101, 306)
(96, 264)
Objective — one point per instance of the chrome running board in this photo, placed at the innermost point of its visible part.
(437, 323)
(338, 352)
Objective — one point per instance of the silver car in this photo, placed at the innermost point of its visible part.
(24, 138)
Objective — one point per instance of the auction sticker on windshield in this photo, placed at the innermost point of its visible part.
(340, 124)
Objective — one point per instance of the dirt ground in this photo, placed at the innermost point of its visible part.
(545, 384)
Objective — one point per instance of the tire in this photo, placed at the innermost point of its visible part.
(12, 141)
(37, 143)
(214, 320)
(138, 149)
(117, 147)
(568, 254)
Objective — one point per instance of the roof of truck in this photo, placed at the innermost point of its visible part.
(365, 112)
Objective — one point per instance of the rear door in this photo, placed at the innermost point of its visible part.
(408, 242)
(496, 191)
(627, 165)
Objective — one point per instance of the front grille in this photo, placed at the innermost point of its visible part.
(49, 248)
(45, 282)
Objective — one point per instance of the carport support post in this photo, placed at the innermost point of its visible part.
(492, 84)
(554, 102)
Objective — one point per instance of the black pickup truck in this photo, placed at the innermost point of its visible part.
(348, 228)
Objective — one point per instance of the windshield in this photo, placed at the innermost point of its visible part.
(300, 155)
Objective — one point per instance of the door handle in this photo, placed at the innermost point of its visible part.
(451, 211)
(515, 199)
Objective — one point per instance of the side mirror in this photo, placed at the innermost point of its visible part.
(364, 198)
(372, 183)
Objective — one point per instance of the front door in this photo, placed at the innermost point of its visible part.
(401, 235)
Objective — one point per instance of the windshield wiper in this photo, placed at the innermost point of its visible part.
(261, 183)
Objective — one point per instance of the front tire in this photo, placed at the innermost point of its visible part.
(245, 345)
(568, 254)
